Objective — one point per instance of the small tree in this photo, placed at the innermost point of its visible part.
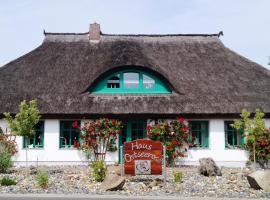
(257, 136)
(176, 136)
(96, 136)
(24, 121)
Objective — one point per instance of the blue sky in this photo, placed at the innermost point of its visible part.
(245, 23)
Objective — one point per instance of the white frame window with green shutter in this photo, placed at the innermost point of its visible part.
(36, 141)
(200, 130)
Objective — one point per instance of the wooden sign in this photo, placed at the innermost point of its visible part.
(143, 157)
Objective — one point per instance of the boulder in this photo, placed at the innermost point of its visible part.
(259, 180)
(208, 167)
(113, 182)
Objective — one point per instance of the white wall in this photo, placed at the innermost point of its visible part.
(217, 150)
(51, 154)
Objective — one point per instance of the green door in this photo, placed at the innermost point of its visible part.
(133, 130)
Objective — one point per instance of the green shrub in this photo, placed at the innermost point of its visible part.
(99, 170)
(5, 160)
(42, 178)
(178, 176)
(6, 181)
(248, 163)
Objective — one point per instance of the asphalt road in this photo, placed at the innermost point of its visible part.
(99, 197)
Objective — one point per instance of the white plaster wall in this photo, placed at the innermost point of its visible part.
(51, 154)
(217, 150)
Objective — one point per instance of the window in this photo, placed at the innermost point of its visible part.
(114, 82)
(148, 82)
(131, 81)
(233, 137)
(68, 134)
(199, 130)
(37, 141)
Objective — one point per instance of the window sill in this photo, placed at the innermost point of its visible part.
(68, 148)
(199, 148)
(234, 148)
(33, 148)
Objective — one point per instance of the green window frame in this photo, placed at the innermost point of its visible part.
(37, 140)
(200, 130)
(133, 129)
(145, 83)
(234, 139)
(68, 134)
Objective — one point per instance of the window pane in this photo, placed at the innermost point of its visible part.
(131, 80)
(148, 83)
(38, 138)
(200, 131)
(35, 141)
(233, 137)
(114, 82)
(68, 134)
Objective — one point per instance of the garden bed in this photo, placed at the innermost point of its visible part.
(77, 180)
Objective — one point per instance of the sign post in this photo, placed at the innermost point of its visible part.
(121, 161)
(164, 164)
(143, 157)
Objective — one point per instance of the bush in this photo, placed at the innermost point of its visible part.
(42, 178)
(99, 170)
(178, 176)
(176, 136)
(6, 181)
(8, 148)
(5, 160)
(257, 136)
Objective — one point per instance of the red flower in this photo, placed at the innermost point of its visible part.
(181, 154)
(76, 144)
(75, 124)
(180, 120)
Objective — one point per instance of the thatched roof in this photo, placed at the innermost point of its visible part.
(205, 76)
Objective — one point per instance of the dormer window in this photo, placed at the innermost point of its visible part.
(131, 81)
(148, 82)
(114, 82)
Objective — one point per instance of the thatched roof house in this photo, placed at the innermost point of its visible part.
(204, 76)
(139, 79)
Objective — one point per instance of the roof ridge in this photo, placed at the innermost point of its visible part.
(139, 35)
(164, 35)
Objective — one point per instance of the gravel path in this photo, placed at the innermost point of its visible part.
(77, 180)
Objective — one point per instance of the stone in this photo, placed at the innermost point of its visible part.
(114, 170)
(33, 170)
(153, 184)
(208, 167)
(233, 178)
(113, 182)
(259, 180)
(56, 171)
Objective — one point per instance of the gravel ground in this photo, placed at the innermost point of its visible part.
(77, 180)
